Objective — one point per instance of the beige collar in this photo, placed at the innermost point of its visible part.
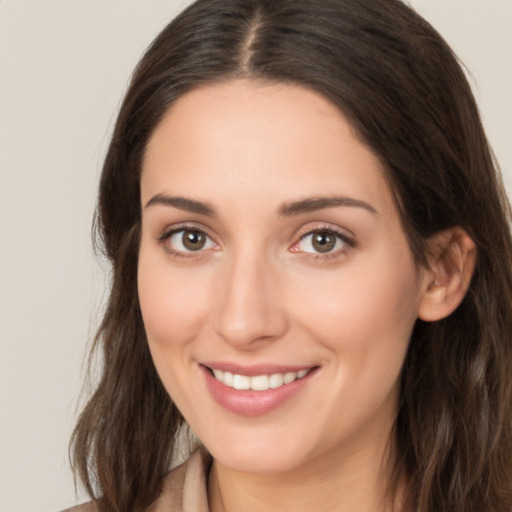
(185, 487)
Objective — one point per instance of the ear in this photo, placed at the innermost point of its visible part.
(451, 257)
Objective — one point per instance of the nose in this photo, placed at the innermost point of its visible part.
(250, 310)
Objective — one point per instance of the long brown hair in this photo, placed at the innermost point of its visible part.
(406, 96)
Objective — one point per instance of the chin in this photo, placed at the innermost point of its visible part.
(249, 461)
(263, 451)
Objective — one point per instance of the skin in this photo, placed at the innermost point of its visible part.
(259, 292)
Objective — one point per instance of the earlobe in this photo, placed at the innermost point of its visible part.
(452, 259)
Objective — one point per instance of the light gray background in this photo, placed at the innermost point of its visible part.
(64, 65)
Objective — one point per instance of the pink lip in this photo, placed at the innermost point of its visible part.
(250, 402)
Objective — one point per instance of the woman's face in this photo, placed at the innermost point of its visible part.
(272, 255)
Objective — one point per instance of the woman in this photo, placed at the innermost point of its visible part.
(311, 268)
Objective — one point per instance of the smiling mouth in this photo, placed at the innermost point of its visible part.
(258, 382)
(255, 390)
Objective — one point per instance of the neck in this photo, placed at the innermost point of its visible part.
(343, 482)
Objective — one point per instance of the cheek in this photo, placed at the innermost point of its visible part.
(365, 316)
(173, 304)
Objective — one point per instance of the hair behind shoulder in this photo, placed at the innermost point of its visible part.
(406, 95)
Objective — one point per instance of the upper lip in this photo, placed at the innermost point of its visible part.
(256, 369)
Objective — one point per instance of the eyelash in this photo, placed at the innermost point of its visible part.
(181, 255)
(348, 243)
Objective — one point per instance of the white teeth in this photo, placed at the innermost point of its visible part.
(289, 377)
(219, 374)
(258, 382)
(276, 380)
(241, 382)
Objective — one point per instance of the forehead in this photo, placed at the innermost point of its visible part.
(228, 140)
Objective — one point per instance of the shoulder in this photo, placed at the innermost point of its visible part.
(184, 488)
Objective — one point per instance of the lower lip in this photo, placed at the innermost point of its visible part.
(250, 402)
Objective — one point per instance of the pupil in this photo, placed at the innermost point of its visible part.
(193, 240)
(324, 241)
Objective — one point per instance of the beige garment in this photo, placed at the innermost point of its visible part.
(184, 488)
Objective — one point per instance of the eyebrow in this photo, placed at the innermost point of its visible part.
(288, 209)
(182, 203)
(312, 204)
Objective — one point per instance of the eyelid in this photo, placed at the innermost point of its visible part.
(164, 236)
(349, 241)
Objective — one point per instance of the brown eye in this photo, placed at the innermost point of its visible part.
(323, 241)
(193, 240)
(187, 241)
